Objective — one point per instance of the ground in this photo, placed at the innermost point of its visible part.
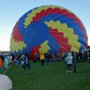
(51, 76)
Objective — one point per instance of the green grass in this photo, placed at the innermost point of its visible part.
(51, 76)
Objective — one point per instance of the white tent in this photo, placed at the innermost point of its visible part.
(5, 82)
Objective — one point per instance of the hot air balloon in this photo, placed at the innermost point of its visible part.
(48, 28)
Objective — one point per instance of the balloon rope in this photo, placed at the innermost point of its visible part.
(9, 66)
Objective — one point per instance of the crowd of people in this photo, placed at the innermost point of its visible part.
(81, 56)
(70, 59)
(5, 60)
(25, 61)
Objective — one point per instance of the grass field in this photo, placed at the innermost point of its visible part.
(51, 76)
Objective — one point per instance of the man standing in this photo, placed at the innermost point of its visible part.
(42, 59)
(69, 62)
(74, 62)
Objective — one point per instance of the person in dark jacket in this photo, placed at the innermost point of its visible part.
(27, 63)
(74, 61)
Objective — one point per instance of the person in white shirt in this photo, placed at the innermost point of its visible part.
(5, 82)
(69, 62)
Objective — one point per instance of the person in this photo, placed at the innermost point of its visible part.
(5, 82)
(46, 57)
(22, 63)
(16, 62)
(35, 57)
(74, 62)
(1, 65)
(10, 59)
(6, 62)
(69, 62)
(27, 63)
(22, 59)
(38, 57)
(54, 57)
(42, 59)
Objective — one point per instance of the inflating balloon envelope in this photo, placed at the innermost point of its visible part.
(48, 28)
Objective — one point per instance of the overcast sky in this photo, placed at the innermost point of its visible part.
(12, 10)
